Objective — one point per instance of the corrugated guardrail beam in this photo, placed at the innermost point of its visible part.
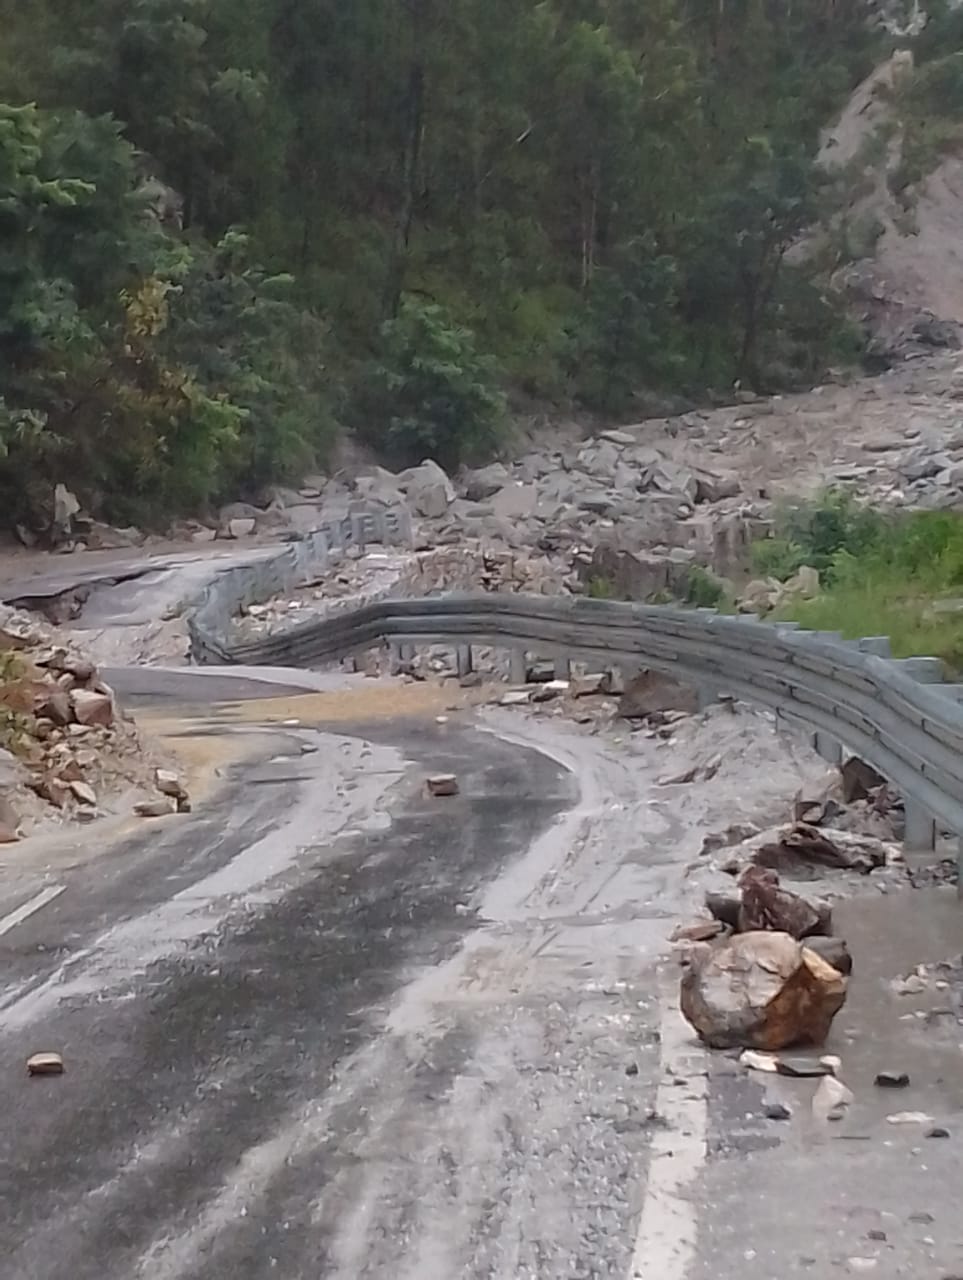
(911, 731)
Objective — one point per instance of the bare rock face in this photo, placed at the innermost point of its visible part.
(761, 991)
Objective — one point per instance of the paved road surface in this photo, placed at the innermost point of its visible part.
(245, 1095)
(328, 1028)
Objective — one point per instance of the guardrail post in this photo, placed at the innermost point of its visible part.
(877, 645)
(919, 835)
(359, 529)
(463, 660)
(706, 696)
(518, 666)
(401, 657)
(828, 748)
(925, 670)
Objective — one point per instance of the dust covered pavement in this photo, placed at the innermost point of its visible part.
(329, 1025)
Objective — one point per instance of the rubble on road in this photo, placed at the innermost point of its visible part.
(758, 902)
(763, 991)
(66, 748)
(805, 851)
(767, 906)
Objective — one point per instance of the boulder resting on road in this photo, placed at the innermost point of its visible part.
(761, 990)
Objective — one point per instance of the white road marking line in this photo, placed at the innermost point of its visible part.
(30, 906)
(665, 1245)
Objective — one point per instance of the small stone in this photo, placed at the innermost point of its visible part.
(45, 1064)
(831, 1099)
(892, 1080)
(861, 1265)
(169, 784)
(632, 1069)
(83, 792)
(876, 1234)
(909, 1117)
(443, 784)
(92, 708)
(753, 1060)
(515, 697)
(910, 986)
(804, 1068)
(777, 1111)
(938, 1132)
(158, 808)
(922, 1216)
(700, 931)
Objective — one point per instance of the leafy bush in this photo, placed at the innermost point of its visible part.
(430, 393)
(703, 589)
(899, 576)
(817, 533)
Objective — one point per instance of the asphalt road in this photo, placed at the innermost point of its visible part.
(253, 1085)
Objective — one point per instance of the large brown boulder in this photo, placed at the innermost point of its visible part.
(761, 991)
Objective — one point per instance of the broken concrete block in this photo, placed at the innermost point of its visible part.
(761, 990)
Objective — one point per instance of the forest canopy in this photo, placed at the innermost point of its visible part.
(228, 230)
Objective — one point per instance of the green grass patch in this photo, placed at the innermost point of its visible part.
(897, 575)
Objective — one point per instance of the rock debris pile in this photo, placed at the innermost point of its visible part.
(66, 748)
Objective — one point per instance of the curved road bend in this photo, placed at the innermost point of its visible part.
(295, 1048)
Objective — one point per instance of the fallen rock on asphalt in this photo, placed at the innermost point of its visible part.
(800, 1068)
(443, 784)
(45, 1064)
(777, 1111)
(158, 808)
(834, 951)
(892, 1080)
(753, 1060)
(725, 905)
(761, 990)
(765, 905)
(803, 846)
(909, 1117)
(700, 931)
(831, 1099)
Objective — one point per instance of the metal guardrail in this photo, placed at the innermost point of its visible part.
(212, 612)
(895, 714)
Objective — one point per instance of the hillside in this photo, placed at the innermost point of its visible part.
(233, 232)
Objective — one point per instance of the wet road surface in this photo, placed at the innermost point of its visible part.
(255, 1087)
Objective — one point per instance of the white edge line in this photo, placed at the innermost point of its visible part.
(27, 908)
(667, 1239)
